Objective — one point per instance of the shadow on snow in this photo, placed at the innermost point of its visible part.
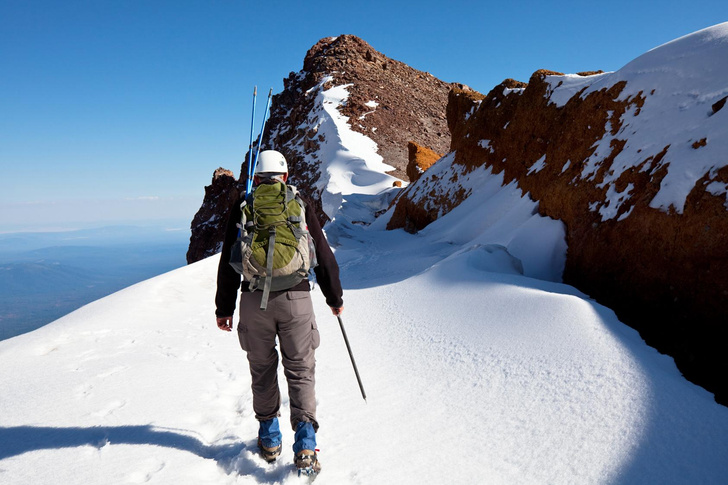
(233, 458)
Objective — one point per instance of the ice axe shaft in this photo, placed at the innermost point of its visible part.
(351, 356)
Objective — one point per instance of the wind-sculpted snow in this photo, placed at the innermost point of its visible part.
(490, 212)
(634, 164)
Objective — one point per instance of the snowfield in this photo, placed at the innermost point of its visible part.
(473, 372)
(479, 366)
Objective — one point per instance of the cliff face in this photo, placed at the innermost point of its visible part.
(386, 100)
(635, 164)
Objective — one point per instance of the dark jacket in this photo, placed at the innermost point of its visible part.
(228, 280)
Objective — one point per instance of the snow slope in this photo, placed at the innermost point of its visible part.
(479, 368)
(474, 374)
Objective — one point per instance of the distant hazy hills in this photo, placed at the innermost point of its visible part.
(44, 276)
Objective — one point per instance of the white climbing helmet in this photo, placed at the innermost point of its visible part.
(271, 162)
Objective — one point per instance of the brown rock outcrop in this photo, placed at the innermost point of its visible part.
(420, 159)
(389, 102)
(208, 225)
(718, 105)
(664, 273)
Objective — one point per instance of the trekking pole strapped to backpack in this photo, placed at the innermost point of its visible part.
(249, 181)
(260, 140)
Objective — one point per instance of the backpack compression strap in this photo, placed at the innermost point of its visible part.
(269, 264)
(268, 268)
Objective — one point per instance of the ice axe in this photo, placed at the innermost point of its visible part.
(351, 356)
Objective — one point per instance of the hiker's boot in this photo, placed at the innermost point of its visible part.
(307, 462)
(269, 453)
(269, 439)
(304, 449)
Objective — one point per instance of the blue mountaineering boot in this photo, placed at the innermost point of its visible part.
(270, 439)
(305, 450)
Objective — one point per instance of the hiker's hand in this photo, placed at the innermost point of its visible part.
(225, 323)
(337, 311)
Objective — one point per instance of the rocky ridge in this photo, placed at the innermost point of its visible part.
(388, 101)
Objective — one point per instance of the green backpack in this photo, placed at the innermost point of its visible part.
(273, 216)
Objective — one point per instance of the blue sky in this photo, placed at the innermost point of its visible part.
(119, 111)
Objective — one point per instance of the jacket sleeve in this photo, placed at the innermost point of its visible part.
(327, 271)
(228, 280)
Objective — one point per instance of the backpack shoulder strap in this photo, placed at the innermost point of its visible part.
(247, 202)
(299, 198)
(292, 193)
(243, 219)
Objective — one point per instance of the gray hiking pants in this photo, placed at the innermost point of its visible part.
(290, 317)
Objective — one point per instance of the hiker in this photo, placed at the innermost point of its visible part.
(288, 315)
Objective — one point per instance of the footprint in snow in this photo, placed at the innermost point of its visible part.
(147, 471)
(249, 463)
(110, 408)
(83, 391)
(113, 371)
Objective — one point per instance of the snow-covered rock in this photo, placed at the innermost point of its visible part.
(634, 164)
